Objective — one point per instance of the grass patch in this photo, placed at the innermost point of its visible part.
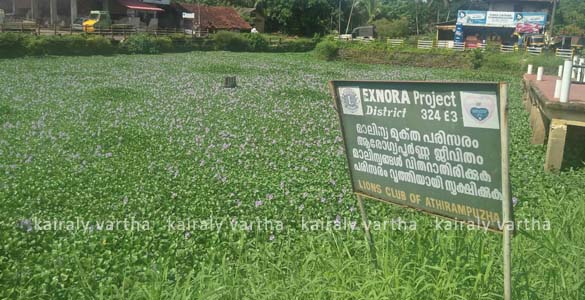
(168, 144)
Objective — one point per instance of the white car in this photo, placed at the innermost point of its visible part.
(78, 24)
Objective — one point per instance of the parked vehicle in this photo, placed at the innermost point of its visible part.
(78, 23)
(533, 40)
(364, 32)
(100, 20)
(97, 20)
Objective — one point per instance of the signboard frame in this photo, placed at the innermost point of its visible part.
(507, 227)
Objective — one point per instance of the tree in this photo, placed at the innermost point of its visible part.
(372, 8)
(392, 29)
(570, 16)
(304, 17)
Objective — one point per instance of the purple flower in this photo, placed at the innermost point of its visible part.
(259, 203)
(270, 196)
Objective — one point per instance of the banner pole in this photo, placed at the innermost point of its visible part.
(506, 205)
(366, 225)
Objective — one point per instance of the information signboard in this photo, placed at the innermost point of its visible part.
(188, 15)
(505, 19)
(434, 146)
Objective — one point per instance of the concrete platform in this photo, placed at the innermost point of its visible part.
(549, 117)
(547, 88)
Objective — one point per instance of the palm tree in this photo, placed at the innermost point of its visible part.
(372, 8)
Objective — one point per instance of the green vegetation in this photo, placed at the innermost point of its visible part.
(18, 45)
(327, 50)
(569, 18)
(409, 55)
(156, 139)
(146, 44)
(392, 29)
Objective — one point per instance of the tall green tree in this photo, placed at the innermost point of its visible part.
(570, 17)
(372, 8)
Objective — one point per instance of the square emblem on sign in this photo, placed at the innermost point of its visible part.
(480, 110)
(351, 101)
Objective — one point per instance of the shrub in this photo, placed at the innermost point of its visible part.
(257, 42)
(141, 44)
(13, 45)
(181, 42)
(18, 44)
(297, 45)
(327, 50)
(63, 45)
(99, 45)
(37, 46)
(164, 44)
(476, 57)
(230, 41)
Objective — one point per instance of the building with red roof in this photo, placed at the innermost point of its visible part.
(211, 18)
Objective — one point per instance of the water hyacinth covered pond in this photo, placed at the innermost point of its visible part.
(140, 177)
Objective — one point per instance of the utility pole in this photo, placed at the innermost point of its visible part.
(552, 17)
(350, 13)
(199, 20)
(339, 19)
(416, 16)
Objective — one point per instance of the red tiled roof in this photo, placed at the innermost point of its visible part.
(218, 17)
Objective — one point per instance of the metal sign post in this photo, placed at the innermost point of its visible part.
(508, 227)
(366, 225)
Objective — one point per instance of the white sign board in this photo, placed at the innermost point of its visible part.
(501, 18)
(188, 15)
